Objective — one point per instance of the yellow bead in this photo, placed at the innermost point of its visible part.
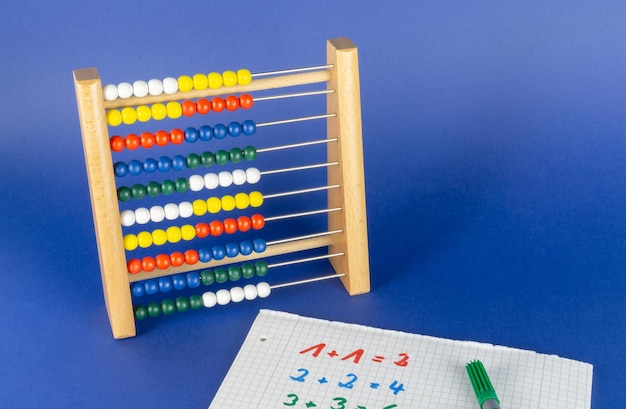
(173, 234)
(215, 80)
(144, 113)
(159, 237)
(199, 207)
(158, 111)
(185, 83)
(188, 232)
(229, 78)
(144, 239)
(228, 203)
(242, 201)
(256, 199)
(244, 76)
(174, 110)
(130, 242)
(114, 117)
(129, 115)
(200, 81)
(214, 204)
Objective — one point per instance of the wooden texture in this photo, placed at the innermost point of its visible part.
(345, 102)
(104, 202)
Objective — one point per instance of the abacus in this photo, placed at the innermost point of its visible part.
(132, 226)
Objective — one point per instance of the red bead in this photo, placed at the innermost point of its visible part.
(217, 104)
(162, 261)
(191, 256)
(203, 106)
(117, 143)
(177, 136)
(134, 266)
(148, 264)
(246, 101)
(162, 138)
(189, 108)
(177, 259)
(216, 227)
(232, 103)
(230, 226)
(147, 140)
(244, 223)
(258, 221)
(132, 141)
(202, 230)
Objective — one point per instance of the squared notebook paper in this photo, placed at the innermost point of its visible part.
(289, 361)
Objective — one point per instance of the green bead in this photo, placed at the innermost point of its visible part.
(167, 187)
(222, 157)
(168, 306)
(235, 155)
(195, 302)
(247, 270)
(138, 191)
(182, 185)
(154, 309)
(234, 273)
(153, 189)
(221, 275)
(261, 268)
(249, 152)
(124, 194)
(208, 159)
(141, 313)
(182, 304)
(208, 277)
(193, 161)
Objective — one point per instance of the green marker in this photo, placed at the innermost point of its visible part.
(485, 394)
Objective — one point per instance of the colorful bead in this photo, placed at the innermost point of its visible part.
(120, 169)
(144, 239)
(215, 80)
(157, 214)
(232, 103)
(220, 131)
(225, 178)
(130, 242)
(147, 140)
(148, 264)
(247, 270)
(132, 141)
(221, 275)
(185, 209)
(179, 282)
(159, 237)
(134, 167)
(234, 129)
(256, 199)
(188, 108)
(232, 250)
(246, 101)
(177, 136)
(155, 87)
(153, 189)
(193, 280)
(109, 92)
(244, 223)
(249, 153)
(185, 83)
(142, 215)
(205, 133)
(154, 309)
(244, 76)
(207, 159)
(246, 248)
(117, 143)
(182, 304)
(188, 232)
(168, 307)
(219, 252)
(203, 106)
(133, 266)
(159, 111)
(124, 90)
(259, 245)
(229, 78)
(140, 88)
(200, 82)
(165, 284)
(151, 287)
(211, 181)
(208, 277)
(199, 206)
(258, 221)
(214, 205)
(250, 292)
(127, 218)
(204, 255)
(144, 113)
(129, 115)
(242, 201)
(174, 109)
(263, 289)
(248, 127)
(191, 135)
(209, 299)
(236, 155)
(141, 313)
(228, 203)
(149, 165)
(216, 227)
(137, 289)
(179, 162)
(223, 296)
(195, 302)
(261, 268)
(114, 117)
(170, 85)
(162, 261)
(193, 161)
(218, 104)
(221, 157)
(173, 234)
(177, 259)
(230, 226)
(237, 294)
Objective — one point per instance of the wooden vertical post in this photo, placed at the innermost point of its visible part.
(104, 202)
(346, 126)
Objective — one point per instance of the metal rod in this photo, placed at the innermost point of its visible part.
(305, 167)
(297, 192)
(307, 281)
(295, 145)
(292, 70)
(305, 260)
(308, 236)
(288, 121)
(289, 216)
(294, 95)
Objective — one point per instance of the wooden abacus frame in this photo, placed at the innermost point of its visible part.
(342, 76)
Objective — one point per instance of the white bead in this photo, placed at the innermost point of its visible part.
(196, 183)
(171, 211)
(140, 88)
(142, 215)
(211, 181)
(236, 294)
(155, 87)
(185, 209)
(170, 85)
(223, 296)
(239, 177)
(263, 289)
(209, 299)
(250, 292)
(253, 175)
(109, 92)
(124, 90)
(127, 218)
(157, 214)
(226, 178)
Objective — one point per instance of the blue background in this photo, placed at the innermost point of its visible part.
(494, 158)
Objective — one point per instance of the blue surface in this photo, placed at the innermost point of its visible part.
(494, 144)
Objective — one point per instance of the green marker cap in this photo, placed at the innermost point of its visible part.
(481, 383)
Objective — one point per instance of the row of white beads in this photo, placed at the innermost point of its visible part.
(236, 294)
(224, 179)
(140, 89)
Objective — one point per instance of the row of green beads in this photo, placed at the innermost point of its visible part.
(233, 273)
(221, 157)
(168, 307)
(152, 189)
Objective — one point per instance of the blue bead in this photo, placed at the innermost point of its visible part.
(179, 162)
(151, 287)
(219, 252)
(191, 135)
(137, 289)
(234, 129)
(248, 127)
(120, 169)
(205, 133)
(135, 167)
(179, 282)
(204, 255)
(220, 131)
(164, 164)
(259, 245)
(165, 284)
(149, 165)
(245, 247)
(232, 250)
(193, 280)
